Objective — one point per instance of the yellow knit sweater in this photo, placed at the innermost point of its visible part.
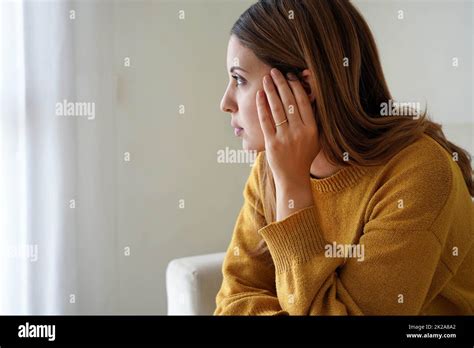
(395, 239)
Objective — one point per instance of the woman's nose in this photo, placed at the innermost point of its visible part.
(227, 105)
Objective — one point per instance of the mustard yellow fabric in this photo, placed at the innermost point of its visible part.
(412, 217)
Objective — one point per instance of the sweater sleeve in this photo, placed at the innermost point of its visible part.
(400, 243)
(248, 286)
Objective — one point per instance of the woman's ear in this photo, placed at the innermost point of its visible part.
(305, 78)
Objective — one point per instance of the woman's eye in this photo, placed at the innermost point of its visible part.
(238, 79)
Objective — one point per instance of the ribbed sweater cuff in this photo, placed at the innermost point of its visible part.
(267, 309)
(295, 239)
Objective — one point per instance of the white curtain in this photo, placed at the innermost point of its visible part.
(58, 242)
(13, 272)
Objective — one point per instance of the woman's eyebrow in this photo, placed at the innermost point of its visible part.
(237, 68)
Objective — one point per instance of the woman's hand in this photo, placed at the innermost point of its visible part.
(292, 146)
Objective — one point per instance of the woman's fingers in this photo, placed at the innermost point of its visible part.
(303, 102)
(264, 115)
(276, 106)
(287, 98)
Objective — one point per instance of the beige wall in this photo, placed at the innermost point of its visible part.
(174, 62)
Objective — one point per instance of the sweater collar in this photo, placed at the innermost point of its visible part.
(343, 178)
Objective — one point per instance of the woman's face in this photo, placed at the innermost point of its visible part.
(246, 72)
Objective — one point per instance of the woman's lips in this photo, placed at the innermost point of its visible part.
(238, 131)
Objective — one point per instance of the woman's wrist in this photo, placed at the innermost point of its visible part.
(292, 196)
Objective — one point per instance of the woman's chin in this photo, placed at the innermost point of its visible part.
(246, 145)
(249, 146)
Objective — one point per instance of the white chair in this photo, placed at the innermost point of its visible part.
(192, 284)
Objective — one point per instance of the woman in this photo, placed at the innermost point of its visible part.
(347, 211)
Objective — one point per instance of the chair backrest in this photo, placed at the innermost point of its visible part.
(192, 284)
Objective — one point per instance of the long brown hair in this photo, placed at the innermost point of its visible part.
(333, 41)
